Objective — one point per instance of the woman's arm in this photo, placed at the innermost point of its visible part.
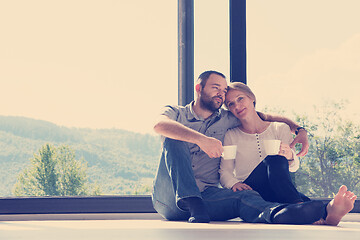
(286, 151)
(284, 133)
(227, 167)
(227, 178)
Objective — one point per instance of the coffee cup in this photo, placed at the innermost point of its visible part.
(272, 147)
(229, 152)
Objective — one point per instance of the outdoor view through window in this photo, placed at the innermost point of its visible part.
(83, 81)
(304, 62)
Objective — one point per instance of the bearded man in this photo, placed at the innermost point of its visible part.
(186, 186)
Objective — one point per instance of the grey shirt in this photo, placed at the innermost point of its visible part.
(206, 169)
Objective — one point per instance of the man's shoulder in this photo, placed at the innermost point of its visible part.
(231, 120)
(226, 113)
(177, 112)
(174, 107)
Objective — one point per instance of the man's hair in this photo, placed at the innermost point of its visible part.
(202, 79)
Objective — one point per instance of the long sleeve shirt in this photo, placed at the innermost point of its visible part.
(250, 152)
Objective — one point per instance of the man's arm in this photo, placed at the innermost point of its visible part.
(175, 130)
(301, 137)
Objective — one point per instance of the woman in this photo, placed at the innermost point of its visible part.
(268, 175)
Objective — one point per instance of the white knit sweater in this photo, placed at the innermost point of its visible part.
(250, 152)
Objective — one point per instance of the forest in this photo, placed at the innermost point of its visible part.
(119, 162)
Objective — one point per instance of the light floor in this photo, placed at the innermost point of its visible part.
(127, 227)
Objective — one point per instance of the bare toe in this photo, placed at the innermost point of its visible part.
(338, 207)
(342, 189)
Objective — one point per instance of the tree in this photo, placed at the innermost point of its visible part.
(54, 171)
(333, 157)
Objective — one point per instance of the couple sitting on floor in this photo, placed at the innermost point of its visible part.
(256, 188)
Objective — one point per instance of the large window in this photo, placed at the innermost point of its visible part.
(211, 20)
(304, 62)
(83, 80)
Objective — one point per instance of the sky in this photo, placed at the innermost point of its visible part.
(113, 64)
(307, 53)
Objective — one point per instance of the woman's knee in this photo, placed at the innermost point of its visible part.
(277, 161)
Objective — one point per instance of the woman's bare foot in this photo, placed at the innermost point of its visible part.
(338, 207)
(320, 222)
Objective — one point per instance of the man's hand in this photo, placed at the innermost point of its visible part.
(240, 186)
(211, 146)
(303, 140)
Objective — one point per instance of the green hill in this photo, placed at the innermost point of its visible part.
(121, 162)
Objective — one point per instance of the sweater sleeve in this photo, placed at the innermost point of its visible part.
(285, 136)
(294, 164)
(227, 167)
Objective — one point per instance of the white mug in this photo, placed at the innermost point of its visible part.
(229, 152)
(272, 147)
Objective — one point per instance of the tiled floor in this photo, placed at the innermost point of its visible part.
(128, 227)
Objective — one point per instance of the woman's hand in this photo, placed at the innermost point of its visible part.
(286, 151)
(240, 186)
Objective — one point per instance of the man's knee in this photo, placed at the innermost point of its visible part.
(171, 142)
(175, 149)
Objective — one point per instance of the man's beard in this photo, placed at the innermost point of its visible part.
(210, 103)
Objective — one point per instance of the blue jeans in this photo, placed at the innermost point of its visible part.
(175, 180)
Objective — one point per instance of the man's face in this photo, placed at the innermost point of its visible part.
(212, 96)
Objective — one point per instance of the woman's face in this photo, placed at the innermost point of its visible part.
(239, 103)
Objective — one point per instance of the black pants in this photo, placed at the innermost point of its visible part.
(271, 179)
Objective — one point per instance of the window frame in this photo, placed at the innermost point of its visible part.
(76, 205)
(130, 203)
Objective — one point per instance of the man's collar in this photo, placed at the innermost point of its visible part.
(192, 115)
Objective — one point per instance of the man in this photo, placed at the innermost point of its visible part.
(187, 180)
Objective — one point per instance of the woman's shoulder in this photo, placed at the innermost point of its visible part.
(234, 130)
(280, 126)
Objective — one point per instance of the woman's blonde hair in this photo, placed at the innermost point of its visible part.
(243, 88)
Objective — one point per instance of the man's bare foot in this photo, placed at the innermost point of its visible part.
(338, 207)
